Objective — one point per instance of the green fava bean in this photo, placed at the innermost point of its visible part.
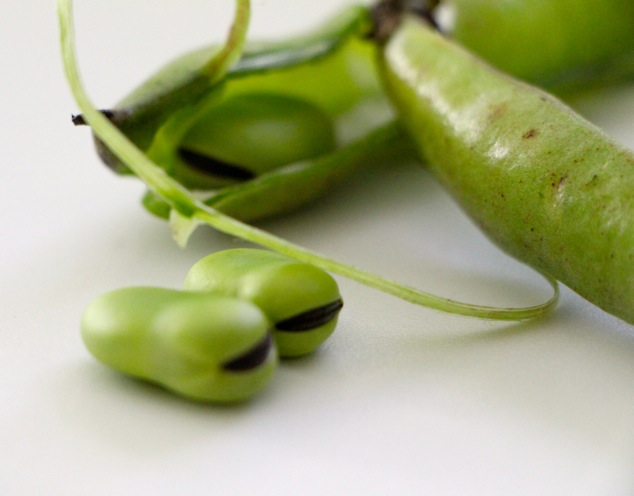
(558, 44)
(301, 300)
(548, 187)
(201, 346)
(249, 134)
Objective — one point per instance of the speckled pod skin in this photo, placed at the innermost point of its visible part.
(548, 187)
(558, 44)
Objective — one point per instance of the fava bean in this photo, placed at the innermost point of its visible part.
(301, 300)
(202, 346)
(561, 45)
(249, 134)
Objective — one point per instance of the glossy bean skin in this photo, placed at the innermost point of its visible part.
(200, 346)
(548, 187)
(561, 45)
(249, 134)
(302, 301)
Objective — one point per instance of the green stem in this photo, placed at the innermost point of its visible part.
(231, 226)
(220, 64)
(189, 207)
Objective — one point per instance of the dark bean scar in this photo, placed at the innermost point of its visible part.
(312, 318)
(214, 167)
(252, 358)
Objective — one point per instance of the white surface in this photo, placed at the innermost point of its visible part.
(402, 400)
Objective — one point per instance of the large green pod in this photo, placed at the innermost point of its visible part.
(548, 187)
(558, 44)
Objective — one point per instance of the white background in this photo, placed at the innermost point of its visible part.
(402, 400)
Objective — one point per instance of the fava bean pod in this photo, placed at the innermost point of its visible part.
(547, 186)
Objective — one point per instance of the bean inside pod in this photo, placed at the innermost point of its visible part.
(249, 134)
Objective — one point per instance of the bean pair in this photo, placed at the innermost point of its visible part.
(218, 339)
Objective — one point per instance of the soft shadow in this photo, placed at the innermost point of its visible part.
(142, 419)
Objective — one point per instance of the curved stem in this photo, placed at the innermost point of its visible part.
(189, 208)
(230, 53)
(230, 226)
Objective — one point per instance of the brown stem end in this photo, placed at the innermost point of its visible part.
(387, 15)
